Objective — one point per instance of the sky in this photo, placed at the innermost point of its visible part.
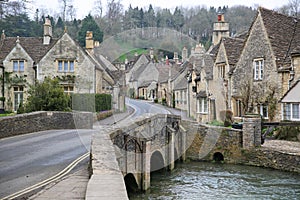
(84, 7)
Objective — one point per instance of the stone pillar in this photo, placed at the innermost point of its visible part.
(146, 165)
(251, 131)
(171, 147)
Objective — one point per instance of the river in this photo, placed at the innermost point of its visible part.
(203, 180)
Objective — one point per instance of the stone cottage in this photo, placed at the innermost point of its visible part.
(26, 59)
(264, 70)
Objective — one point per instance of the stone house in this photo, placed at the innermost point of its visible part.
(291, 99)
(198, 94)
(179, 84)
(264, 70)
(25, 60)
(134, 67)
(225, 55)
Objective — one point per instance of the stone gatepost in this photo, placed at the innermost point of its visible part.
(251, 131)
(146, 166)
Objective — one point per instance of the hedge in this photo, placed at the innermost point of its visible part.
(91, 102)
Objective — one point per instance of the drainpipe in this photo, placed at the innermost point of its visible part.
(3, 81)
(292, 75)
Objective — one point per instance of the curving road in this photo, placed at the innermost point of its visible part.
(29, 159)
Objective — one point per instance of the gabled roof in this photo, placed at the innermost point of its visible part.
(32, 45)
(233, 47)
(293, 95)
(136, 74)
(283, 33)
(181, 85)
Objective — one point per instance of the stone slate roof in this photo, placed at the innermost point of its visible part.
(136, 74)
(32, 45)
(181, 85)
(233, 47)
(163, 70)
(283, 32)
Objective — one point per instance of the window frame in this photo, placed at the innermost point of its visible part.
(65, 66)
(17, 67)
(202, 105)
(261, 110)
(258, 69)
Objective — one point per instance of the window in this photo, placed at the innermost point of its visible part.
(258, 69)
(68, 89)
(295, 111)
(263, 109)
(18, 65)
(221, 71)
(18, 95)
(291, 111)
(65, 66)
(202, 105)
(287, 111)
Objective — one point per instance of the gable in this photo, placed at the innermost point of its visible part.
(18, 52)
(293, 95)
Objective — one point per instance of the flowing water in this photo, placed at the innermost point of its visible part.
(202, 180)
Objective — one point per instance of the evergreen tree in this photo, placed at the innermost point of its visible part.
(47, 96)
(89, 24)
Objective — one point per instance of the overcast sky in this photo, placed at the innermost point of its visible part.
(84, 7)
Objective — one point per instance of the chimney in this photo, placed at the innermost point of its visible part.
(89, 41)
(184, 54)
(167, 61)
(47, 32)
(175, 58)
(220, 29)
(151, 53)
(3, 35)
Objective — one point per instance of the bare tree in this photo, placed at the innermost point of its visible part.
(114, 16)
(71, 12)
(65, 6)
(98, 8)
(294, 7)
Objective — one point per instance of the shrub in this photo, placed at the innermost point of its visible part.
(290, 133)
(103, 102)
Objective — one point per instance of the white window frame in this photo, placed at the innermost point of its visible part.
(292, 111)
(17, 67)
(258, 67)
(202, 105)
(261, 110)
(68, 89)
(18, 96)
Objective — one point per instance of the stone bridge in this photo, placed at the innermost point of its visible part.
(149, 144)
(129, 152)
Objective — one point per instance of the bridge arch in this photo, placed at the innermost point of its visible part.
(157, 161)
(131, 183)
(218, 157)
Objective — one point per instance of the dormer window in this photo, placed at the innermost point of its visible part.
(65, 65)
(258, 65)
(18, 65)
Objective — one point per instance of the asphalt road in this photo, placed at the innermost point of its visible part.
(29, 159)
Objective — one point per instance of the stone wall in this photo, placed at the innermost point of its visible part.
(203, 141)
(40, 121)
(265, 157)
